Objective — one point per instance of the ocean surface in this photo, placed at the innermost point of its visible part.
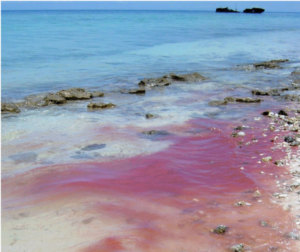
(50, 50)
(80, 180)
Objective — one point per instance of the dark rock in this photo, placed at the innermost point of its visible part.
(156, 133)
(92, 147)
(192, 77)
(217, 103)
(139, 91)
(254, 10)
(269, 64)
(237, 248)
(9, 108)
(155, 82)
(265, 113)
(100, 105)
(149, 116)
(75, 94)
(97, 94)
(168, 79)
(221, 229)
(247, 100)
(282, 112)
(54, 99)
(226, 10)
(242, 99)
(259, 92)
(289, 139)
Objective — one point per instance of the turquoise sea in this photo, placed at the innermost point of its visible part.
(51, 50)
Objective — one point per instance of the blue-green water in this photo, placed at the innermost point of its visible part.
(51, 50)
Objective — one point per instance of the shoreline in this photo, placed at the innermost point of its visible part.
(107, 188)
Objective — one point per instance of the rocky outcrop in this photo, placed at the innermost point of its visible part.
(271, 64)
(226, 10)
(9, 108)
(75, 94)
(254, 10)
(231, 99)
(58, 98)
(168, 79)
(100, 105)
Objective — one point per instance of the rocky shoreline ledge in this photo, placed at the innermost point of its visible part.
(76, 94)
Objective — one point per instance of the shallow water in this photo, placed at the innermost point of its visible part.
(93, 181)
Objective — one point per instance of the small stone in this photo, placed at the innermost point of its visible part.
(265, 113)
(221, 229)
(293, 236)
(100, 105)
(149, 116)
(242, 203)
(282, 112)
(279, 163)
(237, 248)
(266, 159)
(241, 134)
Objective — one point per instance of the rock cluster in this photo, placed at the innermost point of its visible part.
(168, 79)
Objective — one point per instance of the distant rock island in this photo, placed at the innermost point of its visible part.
(254, 10)
(226, 10)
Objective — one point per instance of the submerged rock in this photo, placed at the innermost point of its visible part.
(36, 100)
(139, 91)
(97, 94)
(290, 97)
(242, 99)
(9, 108)
(192, 77)
(254, 10)
(221, 229)
(150, 116)
(25, 157)
(75, 94)
(168, 79)
(217, 103)
(92, 147)
(271, 64)
(272, 92)
(100, 105)
(237, 248)
(155, 82)
(156, 133)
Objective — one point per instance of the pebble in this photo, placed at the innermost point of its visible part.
(266, 159)
(241, 133)
(221, 229)
(237, 248)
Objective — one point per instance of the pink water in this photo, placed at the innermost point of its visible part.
(169, 200)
